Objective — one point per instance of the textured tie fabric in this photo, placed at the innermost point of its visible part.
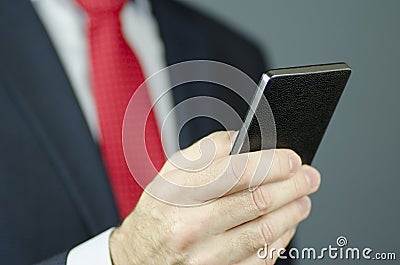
(115, 74)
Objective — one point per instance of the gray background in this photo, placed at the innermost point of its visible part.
(360, 154)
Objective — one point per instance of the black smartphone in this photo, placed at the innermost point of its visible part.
(302, 101)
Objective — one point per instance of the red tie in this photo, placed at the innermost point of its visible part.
(115, 75)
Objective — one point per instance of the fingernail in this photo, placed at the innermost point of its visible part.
(313, 177)
(305, 203)
(294, 162)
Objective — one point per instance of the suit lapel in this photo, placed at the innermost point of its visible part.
(42, 91)
(182, 43)
(186, 39)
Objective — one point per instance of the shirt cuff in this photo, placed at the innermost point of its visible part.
(95, 251)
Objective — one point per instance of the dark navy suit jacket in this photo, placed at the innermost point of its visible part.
(54, 192)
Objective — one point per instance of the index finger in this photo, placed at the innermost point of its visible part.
(238, 172)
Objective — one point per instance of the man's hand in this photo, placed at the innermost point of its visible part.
(226, 230)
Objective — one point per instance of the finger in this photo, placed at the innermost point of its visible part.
(267, 166)
(244, 206)
(246, 239)
(280, 244)
(203, 152)
(238, 172)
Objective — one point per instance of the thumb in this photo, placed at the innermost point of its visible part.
(203, 152)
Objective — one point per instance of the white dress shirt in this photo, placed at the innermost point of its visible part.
(65, 23)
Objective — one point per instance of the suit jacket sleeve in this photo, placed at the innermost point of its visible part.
(60, 259)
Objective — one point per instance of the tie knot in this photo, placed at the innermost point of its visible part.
(93, 7)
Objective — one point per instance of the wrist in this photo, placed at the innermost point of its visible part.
(119, 254)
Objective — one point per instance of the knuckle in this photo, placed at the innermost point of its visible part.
(304, 208)
(246, 243)
(279, 162)
(261, 199)
(220, 136)
(223, 208)
(267, 231)
(208, 174)
(249, 165)
(296, 186)
(300, 185)
(205, 175)
(242, 167)
(182, 236)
